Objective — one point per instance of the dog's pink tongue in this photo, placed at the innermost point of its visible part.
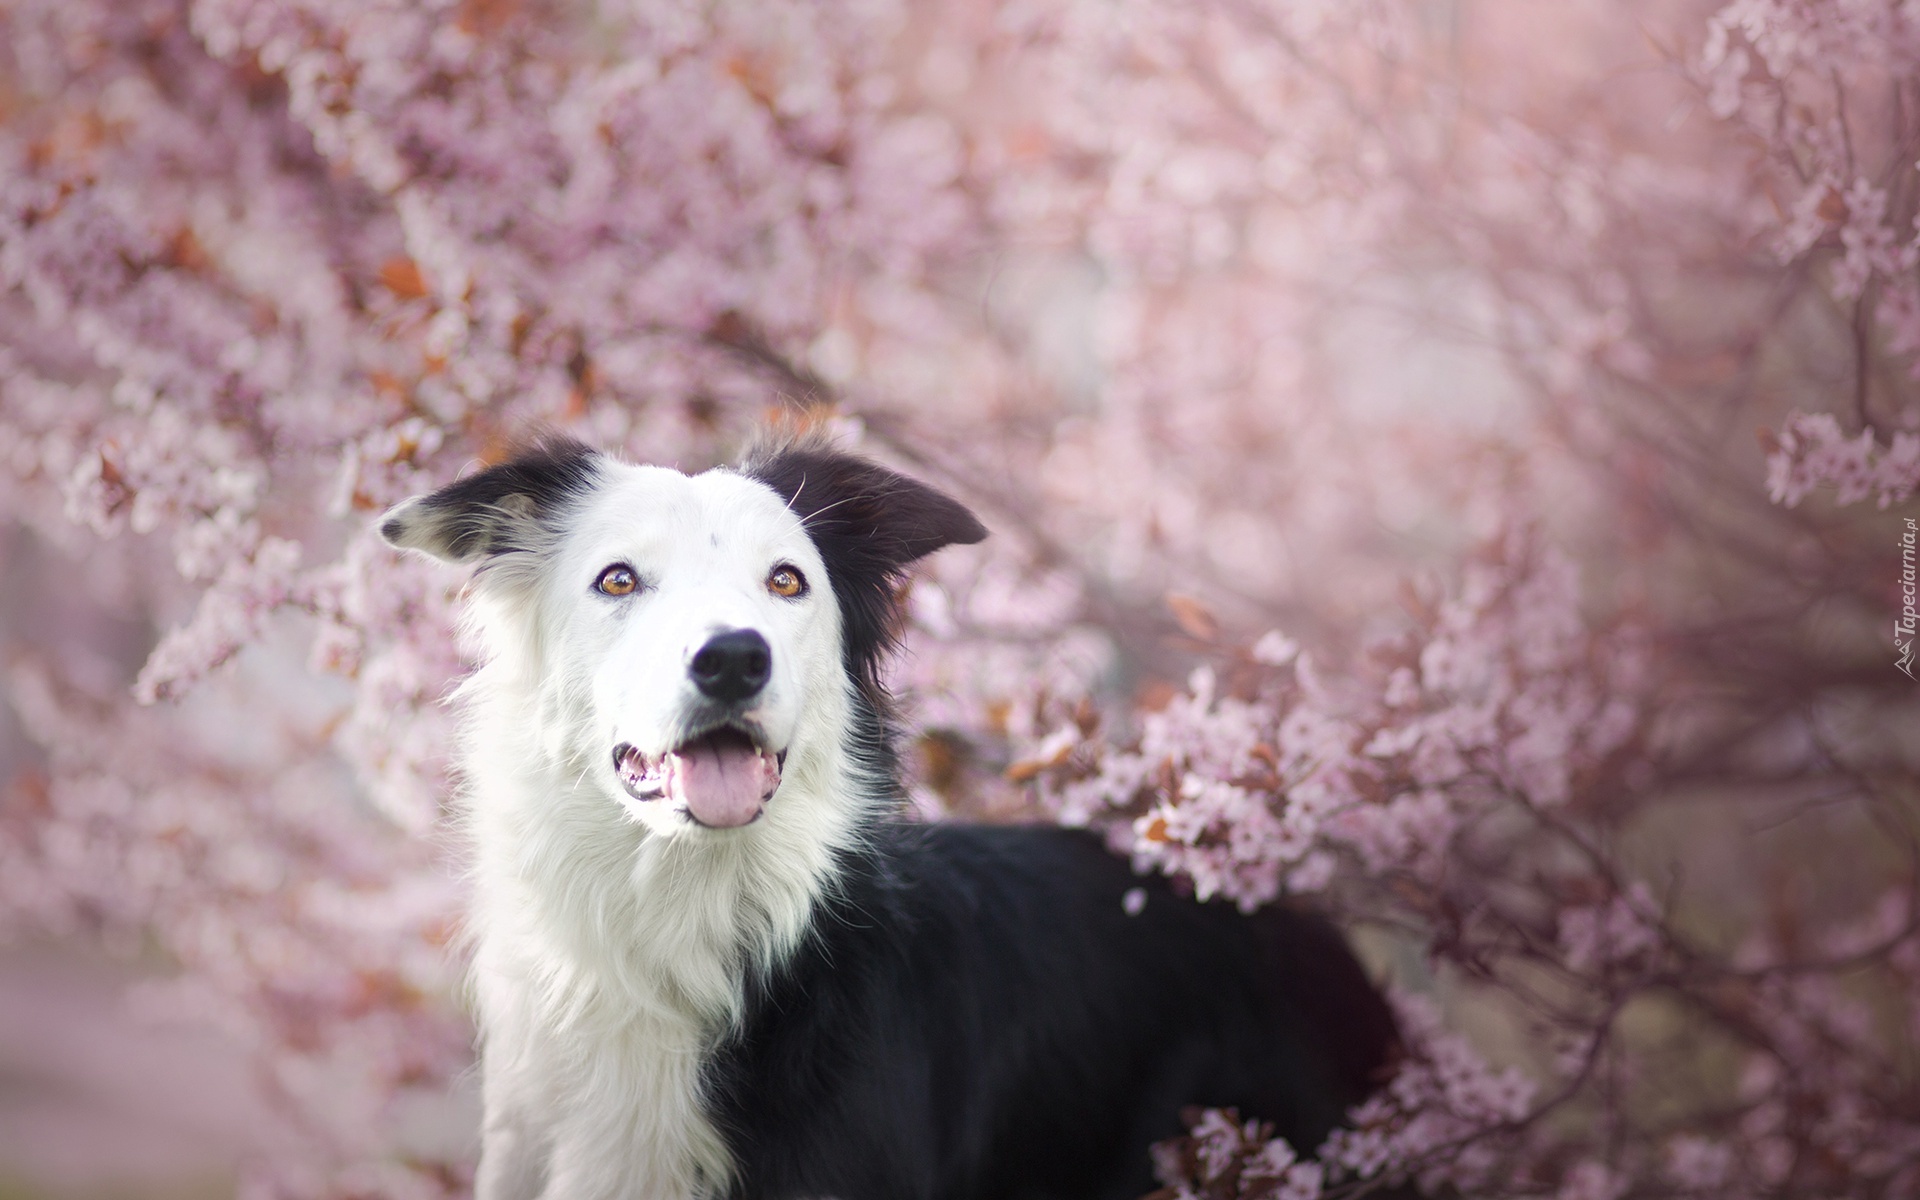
(722, 782)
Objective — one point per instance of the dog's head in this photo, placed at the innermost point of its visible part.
(687, 633)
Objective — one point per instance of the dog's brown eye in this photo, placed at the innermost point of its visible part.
(787, 581)
(617, 580)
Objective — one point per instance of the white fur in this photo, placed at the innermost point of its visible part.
(611, 936)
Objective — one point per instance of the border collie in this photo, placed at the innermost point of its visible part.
(711, 957)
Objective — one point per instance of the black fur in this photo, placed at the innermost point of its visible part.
(869, 525)
(498, 510)
(974, 1016)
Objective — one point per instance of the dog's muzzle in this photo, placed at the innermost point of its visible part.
(722, 778)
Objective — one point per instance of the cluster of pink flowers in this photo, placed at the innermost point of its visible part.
(1812, 452)
(1499, 693)
(1838, 187)
(304, 928)
(1767, 65)
(1225, 1158)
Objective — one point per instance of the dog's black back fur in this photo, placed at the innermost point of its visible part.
(976, 1016)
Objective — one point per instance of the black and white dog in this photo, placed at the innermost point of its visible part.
(711, 959)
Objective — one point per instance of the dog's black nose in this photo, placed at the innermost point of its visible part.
(733, 665)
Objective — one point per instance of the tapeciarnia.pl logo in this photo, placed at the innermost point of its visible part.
(1903, 625)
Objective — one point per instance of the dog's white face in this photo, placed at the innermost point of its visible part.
(686, 643)
(703, 618)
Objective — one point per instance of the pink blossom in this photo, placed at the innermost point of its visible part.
(1697, 1164)
(1812, 452)
(1616, 933)
(1591, 1181)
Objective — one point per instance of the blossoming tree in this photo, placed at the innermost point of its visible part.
(1362, 396)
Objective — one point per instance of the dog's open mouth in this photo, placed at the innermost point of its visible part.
(722, 778)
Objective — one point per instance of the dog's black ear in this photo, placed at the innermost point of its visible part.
(501, 509)
(869, 525)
